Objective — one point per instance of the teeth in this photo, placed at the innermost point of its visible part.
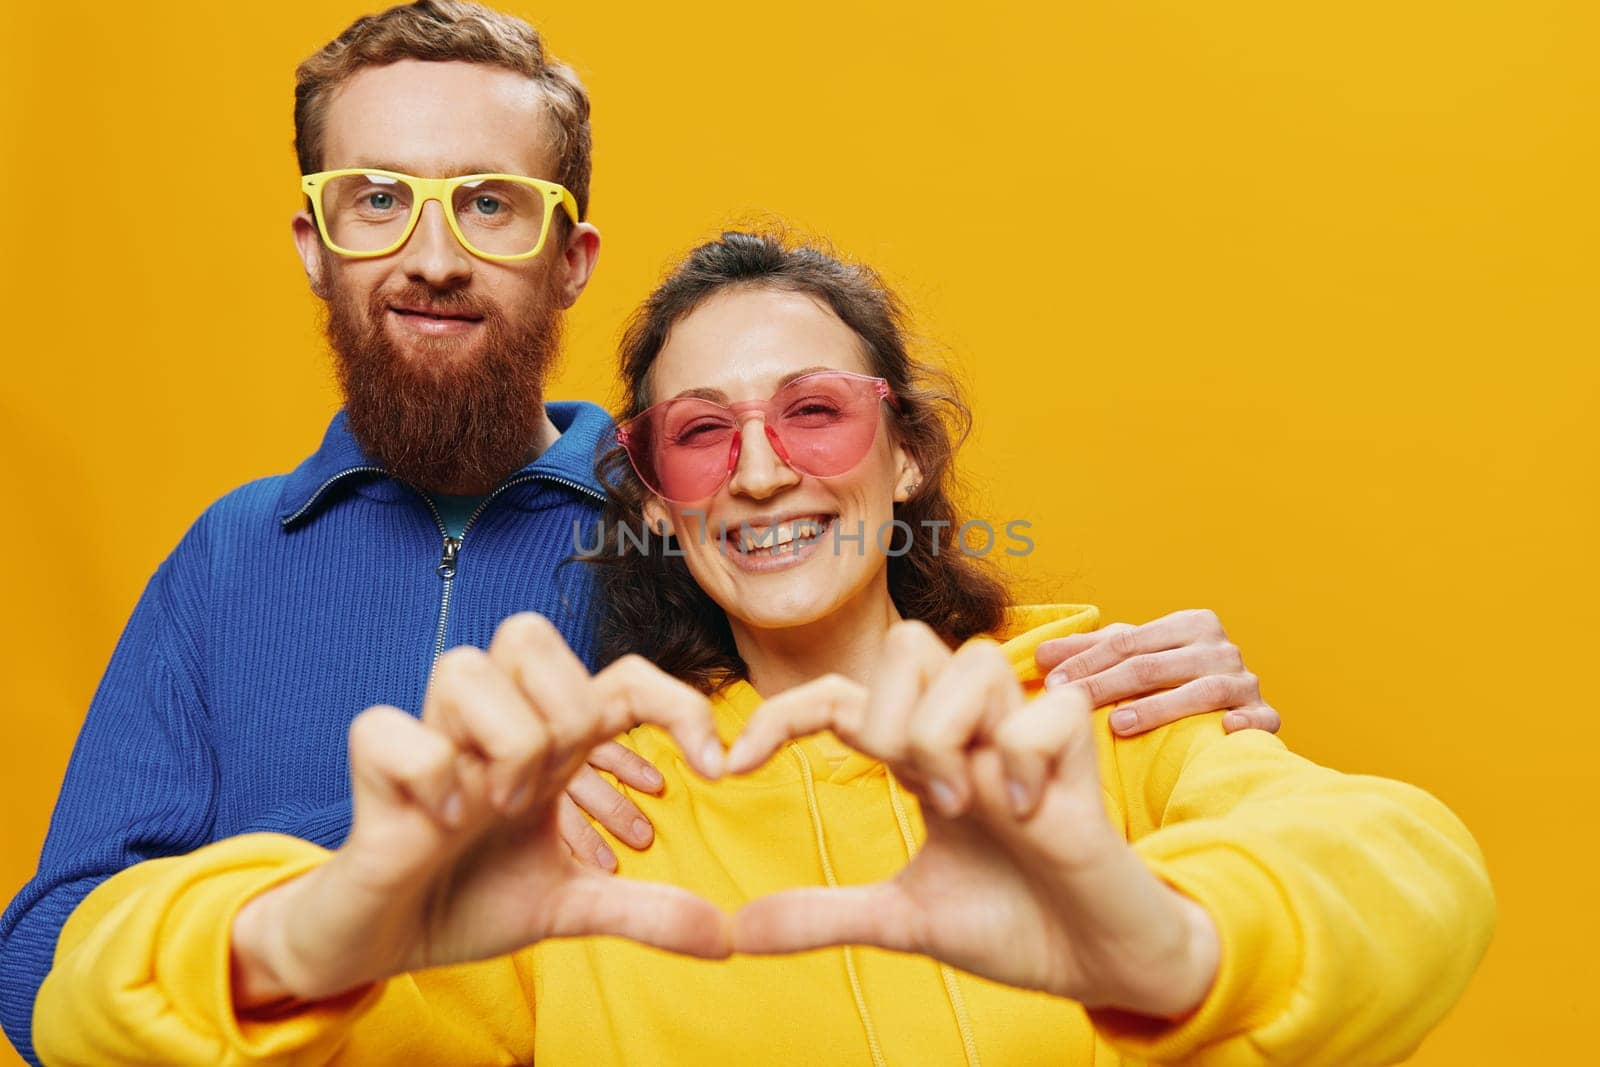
(776, 538)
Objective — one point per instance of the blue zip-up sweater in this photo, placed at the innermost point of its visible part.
(294, 603)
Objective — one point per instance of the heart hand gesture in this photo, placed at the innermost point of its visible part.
(456, 851)
(1022, 878)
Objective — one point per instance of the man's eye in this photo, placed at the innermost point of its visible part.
(486, 205)
(380, 201)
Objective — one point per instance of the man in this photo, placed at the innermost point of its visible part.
(442, 500)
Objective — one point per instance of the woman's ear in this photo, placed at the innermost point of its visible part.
(656, 516)
(908, 475)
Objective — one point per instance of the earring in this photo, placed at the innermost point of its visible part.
(912, 488)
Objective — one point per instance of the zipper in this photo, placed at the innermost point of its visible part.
(451, 550)
(446, 570)
(584, 489)
(289, 521)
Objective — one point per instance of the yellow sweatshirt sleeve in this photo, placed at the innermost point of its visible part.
(142, 976)
(1352, 910)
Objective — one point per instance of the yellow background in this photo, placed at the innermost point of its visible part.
(1288, 310)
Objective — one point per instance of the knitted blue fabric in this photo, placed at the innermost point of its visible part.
(291, 605)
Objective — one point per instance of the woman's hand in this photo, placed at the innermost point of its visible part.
(1179, 665)
(455, 852)
(1022, 878)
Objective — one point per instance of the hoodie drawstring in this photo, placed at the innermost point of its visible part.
(952, 991)
(958, 1006)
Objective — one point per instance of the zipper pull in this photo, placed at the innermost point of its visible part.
(447, 562)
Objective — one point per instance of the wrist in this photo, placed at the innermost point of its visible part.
(256, 947)
(1196, 955)
(303, 940)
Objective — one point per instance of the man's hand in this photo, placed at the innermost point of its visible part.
(1022, 879)
(455, 852)
(610, 808)
(1179, 665)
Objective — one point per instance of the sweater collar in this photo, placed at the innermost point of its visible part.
(340, 461)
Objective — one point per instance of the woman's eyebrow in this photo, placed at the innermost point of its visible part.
(787, 378)
(702, 393)
(718, 396)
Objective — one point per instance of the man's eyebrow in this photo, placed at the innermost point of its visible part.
(718, 396)
(450, 170)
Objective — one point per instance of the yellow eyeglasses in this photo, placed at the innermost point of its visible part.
(369, 213)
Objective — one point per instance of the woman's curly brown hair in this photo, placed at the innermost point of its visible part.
(653, 606)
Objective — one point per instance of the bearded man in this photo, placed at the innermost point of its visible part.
(445, 159)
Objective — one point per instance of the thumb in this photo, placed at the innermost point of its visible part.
(591, 904)
(800, 919)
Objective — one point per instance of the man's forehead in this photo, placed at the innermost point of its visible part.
(436, 120)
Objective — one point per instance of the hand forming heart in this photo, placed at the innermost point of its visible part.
(455, 851)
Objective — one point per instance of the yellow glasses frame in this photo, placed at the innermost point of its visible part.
(443, 191)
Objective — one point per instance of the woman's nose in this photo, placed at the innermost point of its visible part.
(761, 466)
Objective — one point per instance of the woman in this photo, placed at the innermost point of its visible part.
(1068, 896)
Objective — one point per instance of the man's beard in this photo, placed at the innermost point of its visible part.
(435, 419)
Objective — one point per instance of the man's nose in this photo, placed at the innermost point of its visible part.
(432, 254)
(760, 471)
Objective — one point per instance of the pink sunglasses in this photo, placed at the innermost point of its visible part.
(821, 424)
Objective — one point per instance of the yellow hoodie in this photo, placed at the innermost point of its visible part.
(1352, 911)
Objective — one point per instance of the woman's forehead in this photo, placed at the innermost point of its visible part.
(744, 342)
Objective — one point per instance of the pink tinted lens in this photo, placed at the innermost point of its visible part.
(680, 449)
(821, 425)
(827, 422)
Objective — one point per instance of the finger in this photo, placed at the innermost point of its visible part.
(912, 656)
(627, 766)
(799, 919)
(530, 651)
(1253, 717)
(1214, 692)
(583, 839)
(1076, 648)
(482, 711)
(632, 690)
(1050, 654)
(831, 702)
(610, 808)
(975, 690)
(1149, 672)
(1031, 741)
(651, 913)
(402, 760)
(1168, 632)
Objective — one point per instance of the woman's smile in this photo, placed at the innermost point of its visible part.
(761, 544)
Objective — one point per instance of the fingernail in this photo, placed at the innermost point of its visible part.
(451, 809)
(1123, 721)
(640, 832)
(607, 858)
(652, 778)
(944, 798)
(1055, 678)
(711, 758)
(1019, 796)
